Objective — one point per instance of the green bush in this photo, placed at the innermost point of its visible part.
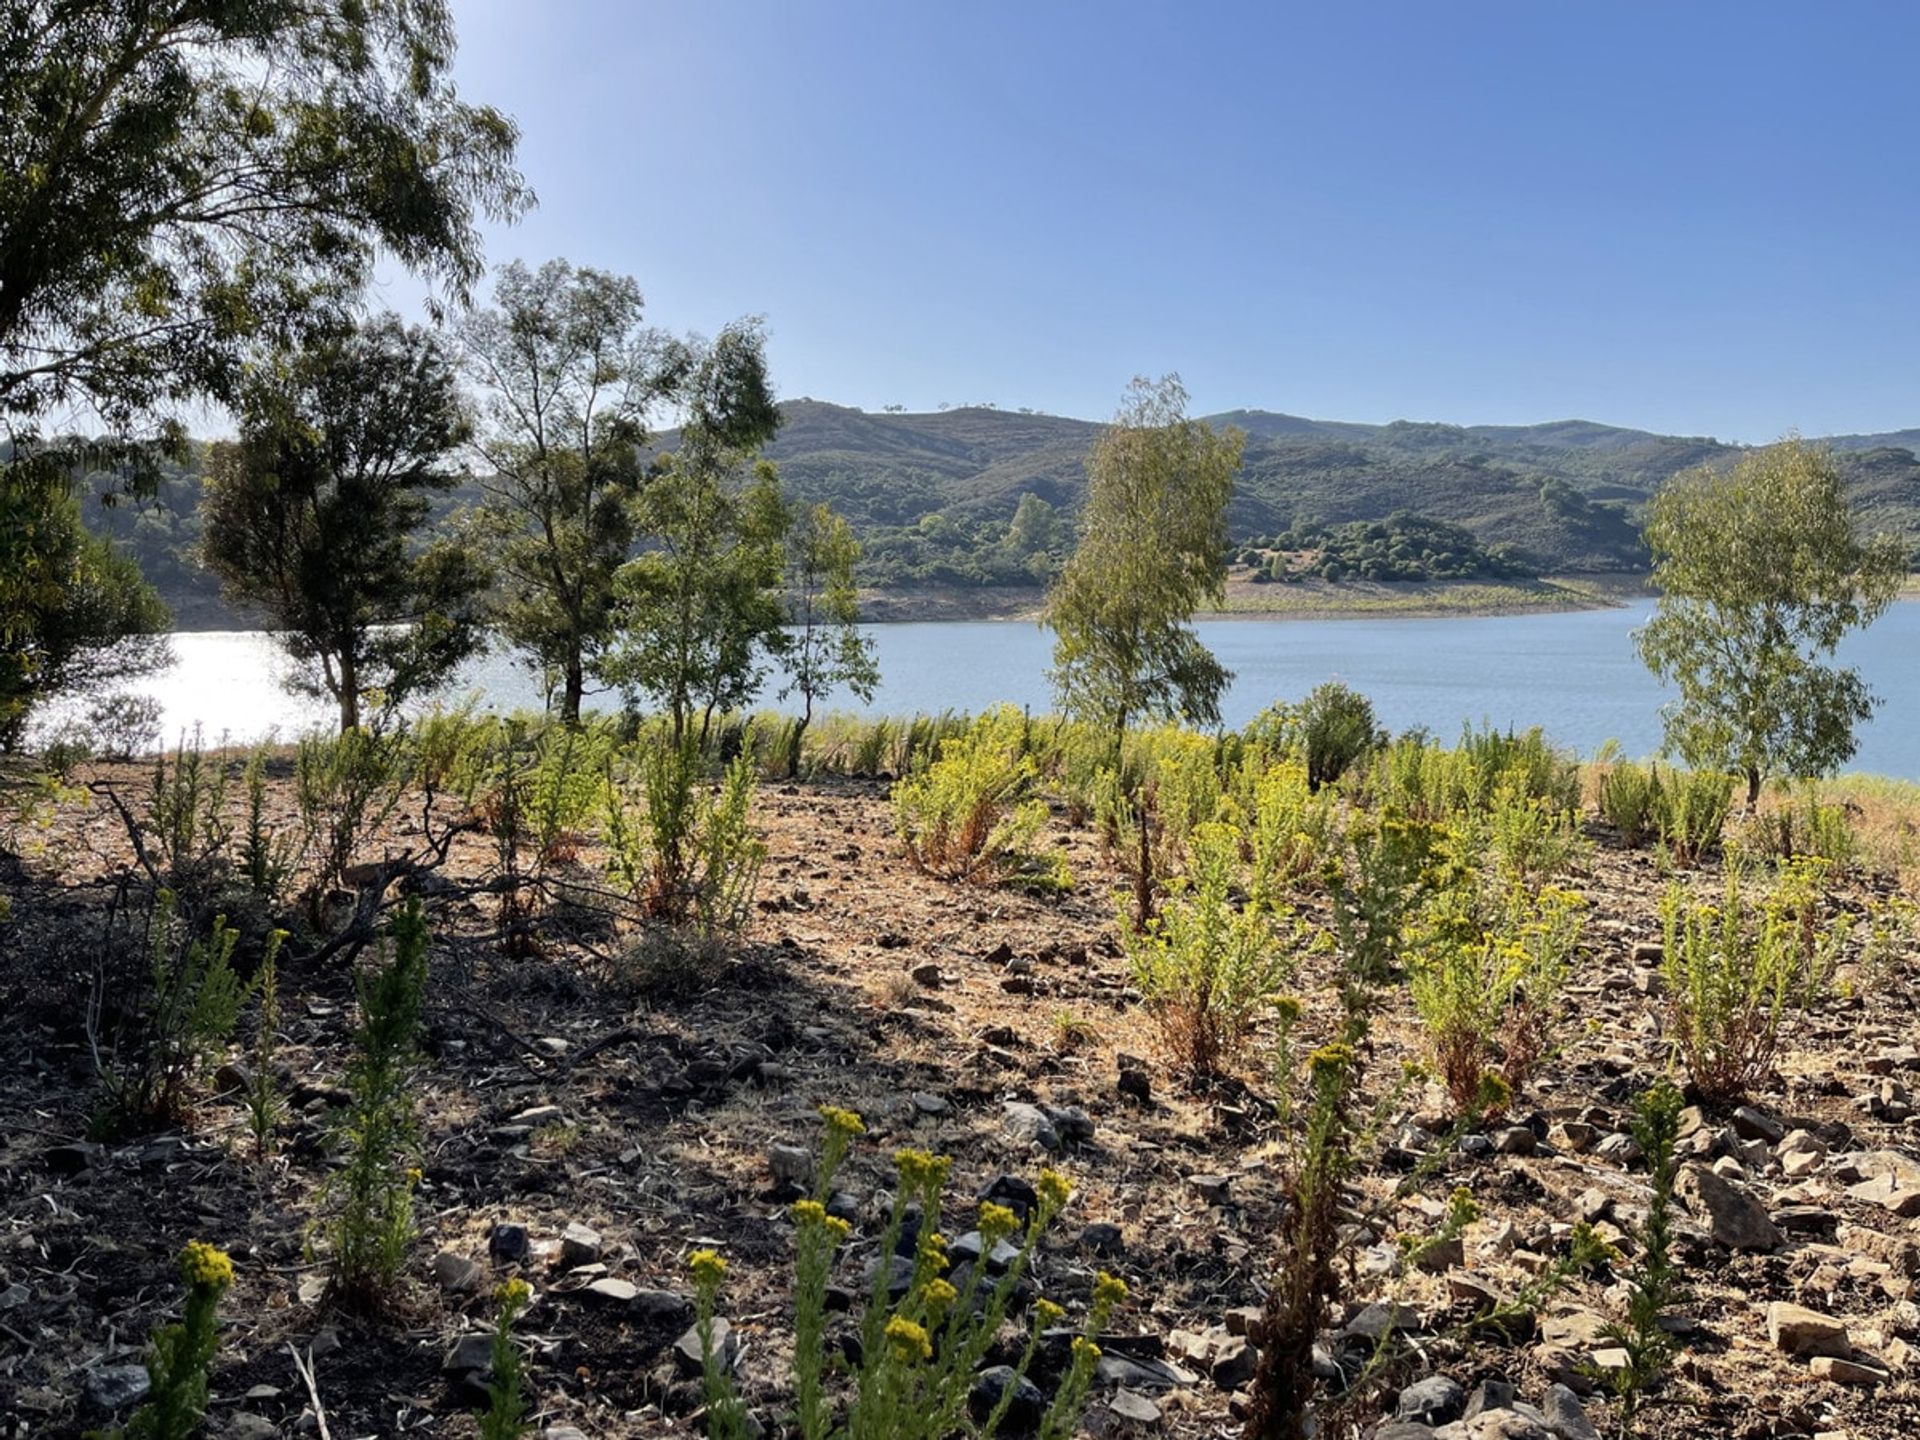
(690, 859)
(265, 1107)
(506, 1413)
(1629, 798)
(919, 1353)
(1286, 827)
(969, 813)
(1653, 1285)
(1735, 976)
(1337, 728)
(347, 786)
(1693, 810)
(370, 1200)
(178, 1359)
(1530, 839)
(147, 1068)
(1208, 967)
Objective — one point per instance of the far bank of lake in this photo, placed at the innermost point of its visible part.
(1574, 673)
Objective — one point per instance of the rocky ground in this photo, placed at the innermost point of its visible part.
(589, 1140)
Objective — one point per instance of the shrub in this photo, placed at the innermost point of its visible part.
(268, 858)
(918, 1353)
(691, 859)
(1490, 993)
(1165, 784)
(186, 823)
(193, 999)
(1653, 1286)
(371, 1198)
(1734, 977)
(968, 813)
(1537, 769)
(506, 1414)
(1286, 828)
(1529, 838)
(1804, 827)
(124, 725)
(1336, 726)
(265, 1108)
(178, 1359)
(1692, 811)
(1629, 798)
(347, 786)
(1207, 967)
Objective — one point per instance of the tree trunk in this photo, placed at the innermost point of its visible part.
(576, 688)
(799, 730)
(1753, 790)
(349, 695)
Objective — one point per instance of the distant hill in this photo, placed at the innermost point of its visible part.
(934, 495)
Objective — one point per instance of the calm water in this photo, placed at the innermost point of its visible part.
(1575, 674)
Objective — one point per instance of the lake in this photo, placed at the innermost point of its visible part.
(1575, 674)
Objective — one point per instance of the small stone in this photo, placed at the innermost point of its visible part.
(1566, 1416)
(562, 1432)
(539, 1115)
(72, 1159)
(1845, 1372)
(1129, 1405)
(579, 1245)
(790, 1164)
(1432, 1401)
(1136, 1085)
(620, 1292)
(1886, 1191)
(469, 1354)
(1075, 1125)
(232, 1077)
(1752, 1124)
(927, 974)
(1733, 1217)
(456, 1273)
(1800, 1331)
(930, 1104)
(1103, 1238)
(990, 1385)
(691, 1358)
(114, 1387)
(1029, 1125)
(1234, 1362)
(507, 1242)
(1514, 1140)
(1215, 1189)
(1489, 1395)
(245, 1425)
(1012, 1191)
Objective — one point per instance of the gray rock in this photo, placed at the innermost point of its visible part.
(618, 1292)
(1733, 1218)
(245, 1425)
(1800, 1331)
(1234, 1362)
(1489, 1395)
(72, 1159)
(468, 1355)
(1566, 1416)
(1076, 1127)
(1140, 1372)
(1030, 1125)
(790, 1164)
(579, 1245)
(1432, 1401)
(927, 974)
(1403, 1430)
(1752, 1124)
(689, 1355)
(114, 1387)
(1514, 1140)
(1103, 1238)
(1215, 1189)
(507, 1242)
(1495, 1425)
(1029, 1403)
(661, 1307)
(457, 1273)
(1129, 1405)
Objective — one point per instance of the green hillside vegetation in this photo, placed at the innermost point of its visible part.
(980, 497)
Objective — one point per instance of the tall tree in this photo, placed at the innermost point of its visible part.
(314, 514)
(1152, 551)
(700, 607)
(1761, 572)
(177, 178)
(567, 373)
(824, 648)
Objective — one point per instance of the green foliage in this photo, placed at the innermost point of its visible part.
(919, 1351)
(312, 515)
(506, 1413)
(1735, 977)
(1336, 728)
(1287, 828)
(1415, 777)
(178, 1358)
(1761, 574)
(700, 608)
(1629, 799)
(192, 1002)
(1654, 1285)
(185, 825)
(968, 814)
(1208, 967)
(1488, 987)
(1530, 839)
(347, 786)
(268, 857)
(1804, 826)
(265, 1106)
(690, 859)
(825, 649)
(1691, 812)
(1165, 784)
(1403, 546)
(1153, 538)
(369, 1202)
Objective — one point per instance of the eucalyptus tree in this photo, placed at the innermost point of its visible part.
(1761, 571)
(178, 180)
(824, 647)
(315, 514)
(1152, 551)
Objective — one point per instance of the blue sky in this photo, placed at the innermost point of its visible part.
(1698, 218)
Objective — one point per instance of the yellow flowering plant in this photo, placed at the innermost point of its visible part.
(924, 1332)
(178, 1356)
(506, 1414)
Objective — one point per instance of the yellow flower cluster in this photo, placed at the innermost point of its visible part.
(812, 1212)
(1288, 1008)
(997, 1222)
(206, 1267)
(843, 1122)
(1109, 1289)
(909, 1340)
(1054, 1189)
(513, 1294)
(1085, 1351)
(1047, 1314)
(920, 1170)
(1329, 1062)
(708, 1268)
(939, 1296)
